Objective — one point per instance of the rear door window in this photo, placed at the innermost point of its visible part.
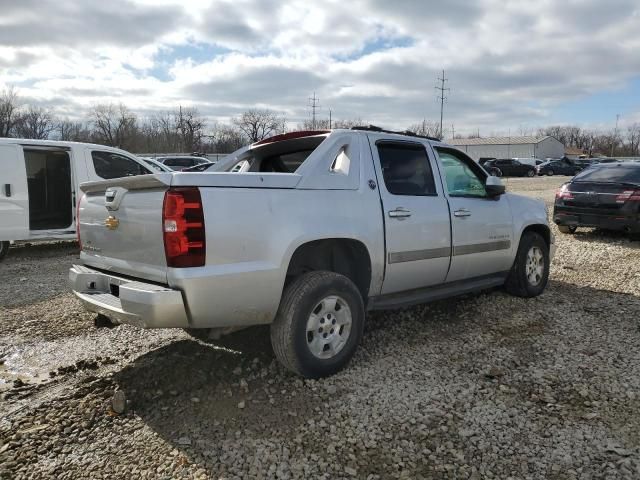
(406, 168)
(112, 165)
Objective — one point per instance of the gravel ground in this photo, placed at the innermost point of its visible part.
(484, 386)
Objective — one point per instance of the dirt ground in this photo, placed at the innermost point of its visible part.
(483, 386)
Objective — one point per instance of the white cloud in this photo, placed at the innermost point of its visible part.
(509, 62)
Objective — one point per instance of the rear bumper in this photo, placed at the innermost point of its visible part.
(136, 303)
(630, 223)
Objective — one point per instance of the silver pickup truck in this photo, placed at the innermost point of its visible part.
(306, 231)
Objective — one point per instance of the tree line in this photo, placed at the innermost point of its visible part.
(185, 130)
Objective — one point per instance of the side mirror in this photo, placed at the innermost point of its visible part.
(494, 186)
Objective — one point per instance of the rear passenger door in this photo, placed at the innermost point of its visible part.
(416, 216)
(481, 226)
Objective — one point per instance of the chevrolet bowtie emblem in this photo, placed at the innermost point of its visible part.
(111, 222)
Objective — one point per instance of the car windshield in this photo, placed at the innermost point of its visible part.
(616, 174)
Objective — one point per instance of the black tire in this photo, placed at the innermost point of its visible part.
(289, 336)
(550, 172)
(530, 173)
(518, 283)
(570, 229)
(4, 249)
(201, 334)
(498, 172)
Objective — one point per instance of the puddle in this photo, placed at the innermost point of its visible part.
(13, 367)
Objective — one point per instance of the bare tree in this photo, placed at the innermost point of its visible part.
(8, 111)
(259, 124)
(114, 126)
(73, 131)
(633, 137)
(190, 126)
(429, 128)
(35, 122)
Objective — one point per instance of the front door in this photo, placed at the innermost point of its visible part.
(416, 216)
(14, 195)
(482, 226)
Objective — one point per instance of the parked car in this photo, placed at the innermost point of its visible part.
(155, 165)
(558, 167)
(605, 196)
(39, 185)
(198, 168)
(529, 161)
(507, 167)
(296, 238)
(180, 162)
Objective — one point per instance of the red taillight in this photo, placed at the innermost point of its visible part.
(78, 222)
(563, 193)
(628, 196)
(183, 228)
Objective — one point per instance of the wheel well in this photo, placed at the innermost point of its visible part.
(542, 230)
(340, 255)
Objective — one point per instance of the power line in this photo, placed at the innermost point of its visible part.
(441, 96)
(314, 103)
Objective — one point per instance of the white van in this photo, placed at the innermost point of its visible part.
(39, 185)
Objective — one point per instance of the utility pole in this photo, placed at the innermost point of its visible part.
(615, 135)
(453, 132)
(441, 96)
(314, 104)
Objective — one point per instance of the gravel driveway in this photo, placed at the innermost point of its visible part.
(483, 386)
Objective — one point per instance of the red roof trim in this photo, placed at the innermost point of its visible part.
(290, 135)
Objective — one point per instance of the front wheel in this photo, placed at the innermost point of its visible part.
(4, 249)
(530, 271)
(530, 173)
(550, 173)
(319, 324)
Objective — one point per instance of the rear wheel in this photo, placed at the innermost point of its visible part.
(319, 324)
(4, 249)
(567, 229)
(530, 271)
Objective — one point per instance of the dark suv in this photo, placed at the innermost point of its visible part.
(558, 167)
(507, 167)
(605, 196)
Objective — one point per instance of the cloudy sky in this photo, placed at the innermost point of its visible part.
(511, 64)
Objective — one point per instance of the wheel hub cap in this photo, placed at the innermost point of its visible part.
(534, 267)
(328, 327)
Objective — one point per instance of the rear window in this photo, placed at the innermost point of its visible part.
(178, 162)
(616, 174)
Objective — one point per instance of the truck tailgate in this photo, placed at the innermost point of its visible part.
(120, 224)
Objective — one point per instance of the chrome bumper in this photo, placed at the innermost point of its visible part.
(144, 305)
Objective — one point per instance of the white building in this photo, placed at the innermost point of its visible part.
(510, 147)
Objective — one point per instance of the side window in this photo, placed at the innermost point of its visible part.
(406, 169)
(461, 177)
(112, 165)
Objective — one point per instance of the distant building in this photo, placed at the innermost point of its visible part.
(574, 153)
(510, 147)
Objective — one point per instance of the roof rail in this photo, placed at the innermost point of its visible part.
(408, 133)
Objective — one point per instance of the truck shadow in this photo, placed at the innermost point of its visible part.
(196, 396)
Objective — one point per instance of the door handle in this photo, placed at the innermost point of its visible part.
(463, 212)
(399, 213)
